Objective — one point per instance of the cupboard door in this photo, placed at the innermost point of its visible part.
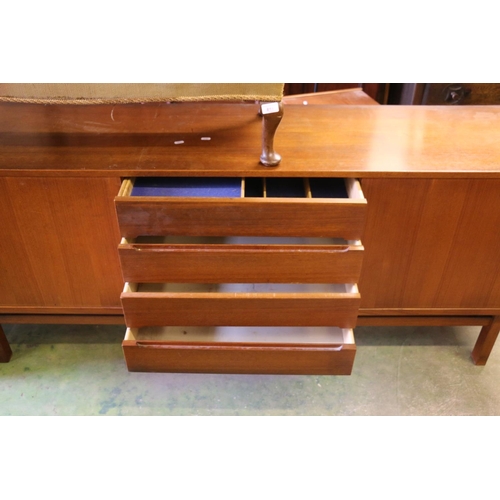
(58, 240)
(432, 244)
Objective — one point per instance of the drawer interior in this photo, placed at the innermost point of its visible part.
(225, 334)
(189, 187)
(236, 240)
(251, 187)
(242, 288)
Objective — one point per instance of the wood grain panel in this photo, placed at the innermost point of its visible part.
(348, 140)
(241, 263)
(58, 242)
(335, 97)
(245, 217)
(268, 359)
(432, 244)
(231, 309)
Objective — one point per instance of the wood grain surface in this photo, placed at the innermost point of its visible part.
(142, 216)
(58, 240)
(354, 96)
(364, 141)
(265, 359)
(243, 309)
(241, 263)
(432, 244)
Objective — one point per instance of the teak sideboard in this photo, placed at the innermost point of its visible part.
(414, 233)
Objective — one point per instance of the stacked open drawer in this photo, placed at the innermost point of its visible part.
(228, 275)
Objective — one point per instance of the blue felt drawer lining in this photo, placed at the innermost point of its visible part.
(230, 187)
(205, 187)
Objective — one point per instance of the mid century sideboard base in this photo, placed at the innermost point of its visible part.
(480, 353)
(430, 175)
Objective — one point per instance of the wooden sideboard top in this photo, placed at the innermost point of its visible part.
(365, 141)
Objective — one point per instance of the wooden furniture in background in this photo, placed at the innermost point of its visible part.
(376, 91)
(444, 93)
(353, 96)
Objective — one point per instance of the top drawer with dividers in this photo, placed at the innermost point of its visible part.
(221, 206)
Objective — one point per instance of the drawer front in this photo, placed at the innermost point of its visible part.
(240, 263)
(283, 284)
(240, 308)
(242, 216)
(240, 357)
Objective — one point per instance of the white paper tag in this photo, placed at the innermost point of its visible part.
(270, 107)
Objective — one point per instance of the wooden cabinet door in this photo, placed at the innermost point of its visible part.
(433, 245)
(58, 245)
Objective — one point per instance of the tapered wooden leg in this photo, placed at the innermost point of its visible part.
(272, 113)
(485, 342)
(5, 350)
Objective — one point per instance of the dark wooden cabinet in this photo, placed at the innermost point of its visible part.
(377, 91)
(444, 93)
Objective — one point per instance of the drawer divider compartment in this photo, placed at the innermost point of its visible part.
(247, 216)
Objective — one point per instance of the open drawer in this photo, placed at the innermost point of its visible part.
(222, 206)
(312, 351)
(240, 259)
(240, 304)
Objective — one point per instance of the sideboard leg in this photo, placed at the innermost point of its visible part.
(272, 113)
(5, 350)
(485, 342)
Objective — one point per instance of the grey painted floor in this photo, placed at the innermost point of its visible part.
(79, 370)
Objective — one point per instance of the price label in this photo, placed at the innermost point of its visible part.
(270, 107)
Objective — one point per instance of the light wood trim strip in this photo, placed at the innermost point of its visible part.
(238, 337)
(354, 190)
(307, 188)
(126, 187)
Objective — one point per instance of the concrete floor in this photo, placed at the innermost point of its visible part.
(79, 370)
